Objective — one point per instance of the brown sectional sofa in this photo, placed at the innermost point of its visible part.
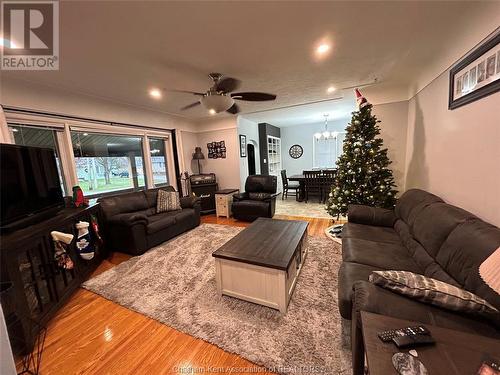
(422, 235)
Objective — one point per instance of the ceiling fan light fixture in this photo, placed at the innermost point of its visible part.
(219, 103)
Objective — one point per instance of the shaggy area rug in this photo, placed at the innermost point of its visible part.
(174, 283)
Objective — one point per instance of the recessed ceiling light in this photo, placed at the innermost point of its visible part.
(212, 111)
(331, 89)
(85, 134)
(322, 48)
(155, 93)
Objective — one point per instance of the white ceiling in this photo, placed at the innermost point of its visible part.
(117, 50)
(312, 113)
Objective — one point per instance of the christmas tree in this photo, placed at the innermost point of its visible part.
(363, 176)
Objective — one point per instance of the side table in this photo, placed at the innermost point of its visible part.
(454, 353)
(223, 201)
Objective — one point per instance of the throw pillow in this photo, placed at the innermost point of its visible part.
(259, 196)
(167, 201)
(432, 291)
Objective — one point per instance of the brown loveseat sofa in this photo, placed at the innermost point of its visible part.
(132, 225)
(422, 235)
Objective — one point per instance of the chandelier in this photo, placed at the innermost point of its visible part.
(326, 134)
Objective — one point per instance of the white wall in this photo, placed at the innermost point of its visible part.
(213, 130)
(303, 136)
(251, 130)
(23, 94)
(393, 130)
(455, 154)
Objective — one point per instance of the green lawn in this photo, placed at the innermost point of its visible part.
(117, 183)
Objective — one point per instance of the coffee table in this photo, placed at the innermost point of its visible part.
(455, 352)
(262, 263)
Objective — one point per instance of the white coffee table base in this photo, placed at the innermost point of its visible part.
(262, 285)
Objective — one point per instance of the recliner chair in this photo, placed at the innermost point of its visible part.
(258, 200)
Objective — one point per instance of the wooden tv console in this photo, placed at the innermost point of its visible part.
(33, 287)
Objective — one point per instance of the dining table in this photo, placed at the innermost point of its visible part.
(301, 179)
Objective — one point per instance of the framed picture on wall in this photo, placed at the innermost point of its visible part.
(243, 146)
(477, 75)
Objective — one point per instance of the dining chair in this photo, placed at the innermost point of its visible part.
(312, 184)
(327, 180)
(293, 186)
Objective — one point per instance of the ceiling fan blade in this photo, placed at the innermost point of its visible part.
(253, 96)
(227, 84)
(234, 109)
(188, 92)
(190, 106)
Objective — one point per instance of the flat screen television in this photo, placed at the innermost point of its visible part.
(29, 184)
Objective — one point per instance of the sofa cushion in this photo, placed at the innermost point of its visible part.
(167, 201)
(378, 254)
(349, 273)
(372, 298)
(427, 263)
(369, 232)
(432, 291)
(261, 196)
(251, 207)
(122, 203)
(434, 223)
(161, 221)
(186, 214)
(411, 202)
(469, 245)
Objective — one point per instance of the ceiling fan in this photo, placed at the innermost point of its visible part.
(220, 97)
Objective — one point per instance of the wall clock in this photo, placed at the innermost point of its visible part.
(296, 151)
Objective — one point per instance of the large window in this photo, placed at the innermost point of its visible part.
(158, 161)
(107, 162)
(38, 137)
(327, 151)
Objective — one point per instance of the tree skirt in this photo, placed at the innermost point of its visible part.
(174, 283)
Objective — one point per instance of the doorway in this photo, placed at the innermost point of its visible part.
(251, 159)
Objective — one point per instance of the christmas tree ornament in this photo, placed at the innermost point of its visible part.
(61, 243)
(84, 241)
(360, 99)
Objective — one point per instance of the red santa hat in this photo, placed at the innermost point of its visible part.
(360, 99)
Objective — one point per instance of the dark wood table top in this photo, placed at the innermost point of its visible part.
(455, 352)
(266, 242)
(298, 177)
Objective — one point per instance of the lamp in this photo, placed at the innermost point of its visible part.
(488, 271)
(198, 155)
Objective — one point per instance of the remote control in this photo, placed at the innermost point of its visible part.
(387, 336)
(412, 340)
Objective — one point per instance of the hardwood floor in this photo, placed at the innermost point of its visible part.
(91, 335)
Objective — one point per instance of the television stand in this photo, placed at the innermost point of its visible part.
(39, 287)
